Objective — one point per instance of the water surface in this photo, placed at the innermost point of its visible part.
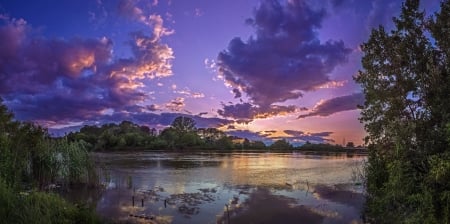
(235, 187)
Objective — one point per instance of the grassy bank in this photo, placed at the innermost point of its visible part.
(31, 162)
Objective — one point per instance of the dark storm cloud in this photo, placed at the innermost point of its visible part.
(58, 80)
(283, 59)
(248, 112)
(335, 105)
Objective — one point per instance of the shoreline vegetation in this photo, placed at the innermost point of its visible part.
(183, 135)
(32, 164)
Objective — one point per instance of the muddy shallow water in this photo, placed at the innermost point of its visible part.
(237, 187)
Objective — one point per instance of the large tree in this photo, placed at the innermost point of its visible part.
(183, 125)
(406, 82)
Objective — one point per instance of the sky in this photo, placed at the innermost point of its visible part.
(257, 69)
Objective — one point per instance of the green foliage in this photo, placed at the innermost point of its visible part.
(182, 134)
(224, 142)
(257, 145)
(183, 125)
(281, 144)
(114, 137)
(38, 207)
(406, 82)
(29, 158)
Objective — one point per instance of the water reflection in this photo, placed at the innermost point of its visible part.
(200, 187)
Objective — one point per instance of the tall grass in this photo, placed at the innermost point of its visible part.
(39, 207)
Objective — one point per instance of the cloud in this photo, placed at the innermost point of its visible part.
(334, 105)
(285, 56)
(176, 104)
(301, 136)
(293, 136)
(381, 13)
(248, 112)
(250, 135)
(231, 127)
(152, 107)
(332, 84)
(188, 93)
(46, 80)
(198, 12)
(131, 9)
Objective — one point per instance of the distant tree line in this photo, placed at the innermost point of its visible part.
(181, 134)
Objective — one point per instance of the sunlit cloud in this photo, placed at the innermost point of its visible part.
(188, 93)
(331, 106)
(332, 84)
(176, 104)
(297, 136)
(48, 79)
(246, 112)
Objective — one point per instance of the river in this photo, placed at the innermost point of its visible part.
(228, 187)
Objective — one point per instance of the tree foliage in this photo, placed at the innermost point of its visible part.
(181, 134)
(183, 125)
(281, 144)
(406, 82)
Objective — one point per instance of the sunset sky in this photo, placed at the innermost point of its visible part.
(257, 69)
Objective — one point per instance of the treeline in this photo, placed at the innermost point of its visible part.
(30, 163)
(181, 134)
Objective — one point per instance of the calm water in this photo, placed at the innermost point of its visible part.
(203, 187)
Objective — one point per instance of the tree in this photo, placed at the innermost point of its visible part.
(281, 144)
(183, 125)
(246, 144)
(258, 145)
(169, 136)
(224, 142)
(350, 145)
(406, 83)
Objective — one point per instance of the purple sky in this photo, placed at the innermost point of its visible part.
(257, 69)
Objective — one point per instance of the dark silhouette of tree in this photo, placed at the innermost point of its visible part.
(350, 145)
(183, 125)
(281, 144)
